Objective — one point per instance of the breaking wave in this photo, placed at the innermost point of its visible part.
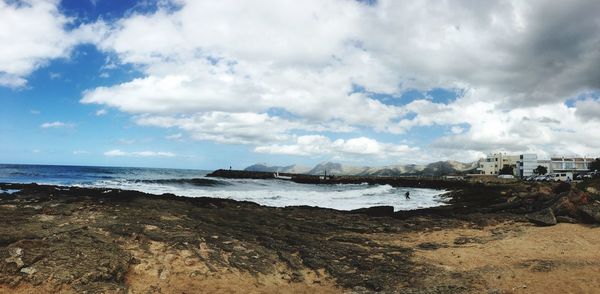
(200, 182)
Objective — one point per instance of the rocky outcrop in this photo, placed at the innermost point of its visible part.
(89, 240)
(371, 180)
(377, 211)
(92, 239)
(566, 219)
(564, 207)
(543, 217)
(590, 212)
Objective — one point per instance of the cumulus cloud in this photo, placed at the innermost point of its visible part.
(230, 67)
(216, 69)
(56, 124)
(489, 45)
(588, 109)
(119, 153)
(101, 112)
(33, 32)
(236, 128)
(312, 145)
(269, 73)
(550, 129)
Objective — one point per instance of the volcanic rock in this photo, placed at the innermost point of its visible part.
(543, 217)
(590, 212)
(379, 211)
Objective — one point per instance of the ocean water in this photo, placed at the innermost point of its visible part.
(194, 183)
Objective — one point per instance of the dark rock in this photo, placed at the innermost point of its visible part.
(590, 212)
(577, 196)
(466, 240)
(562, 187)
(543, 217)
(538, 265)
(564, 207)
(378, 211)
(431, 246)
(566, 219)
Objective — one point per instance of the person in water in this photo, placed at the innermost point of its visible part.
(407, 195)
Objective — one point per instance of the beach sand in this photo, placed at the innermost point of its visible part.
(514, 257)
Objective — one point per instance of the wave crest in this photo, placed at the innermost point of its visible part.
(194, 182)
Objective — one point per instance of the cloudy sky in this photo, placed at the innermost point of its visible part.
(209, 84)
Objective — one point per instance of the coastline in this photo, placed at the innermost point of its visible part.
(69, 239)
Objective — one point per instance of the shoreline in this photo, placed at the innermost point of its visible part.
(70, 239)
(440, 197)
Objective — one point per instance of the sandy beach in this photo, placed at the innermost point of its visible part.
(73, 240)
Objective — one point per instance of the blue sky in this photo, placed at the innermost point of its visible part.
(198, 84)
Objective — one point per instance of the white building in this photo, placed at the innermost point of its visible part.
(493, 164)
(523, 165)
(486, 166)
(527, 163)
(570, 164)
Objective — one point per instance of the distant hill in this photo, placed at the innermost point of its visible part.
(439, 168)
(263, 167)
(336, 169)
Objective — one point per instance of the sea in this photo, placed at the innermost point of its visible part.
(194, 183)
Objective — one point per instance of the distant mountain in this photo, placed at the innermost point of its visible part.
(439, 168)
(336, 169)
(263, 167)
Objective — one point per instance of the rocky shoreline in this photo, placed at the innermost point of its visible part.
(69, 239)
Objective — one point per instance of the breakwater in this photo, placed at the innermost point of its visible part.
(412, 182)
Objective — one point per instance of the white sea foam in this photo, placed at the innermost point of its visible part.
(193, 183)
(9, 191)
(284, 193)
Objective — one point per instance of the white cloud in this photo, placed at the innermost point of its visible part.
(588, 110)
(57, 124)
(175, 137)
(312, 145)
(456, 130)
(304, 58)
(10, 80)
(549, 129)
(230, 69)
(101, 112)
(263, 72)
(32, 33)
(119, 153)
(35, 112)
(236, 128)
(328, 45)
